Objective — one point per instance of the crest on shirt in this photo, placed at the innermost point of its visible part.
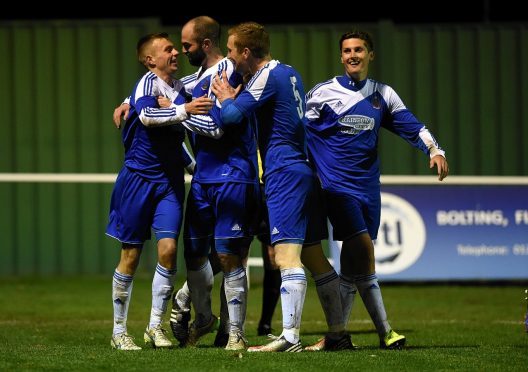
(376, 102)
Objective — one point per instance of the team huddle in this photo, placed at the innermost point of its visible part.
(319, 161)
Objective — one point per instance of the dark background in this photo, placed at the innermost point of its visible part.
(271, 12)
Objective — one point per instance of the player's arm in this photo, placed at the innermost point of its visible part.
(204, 125)
(402, 122)
(121, 111)
(405, 125)
(225, 94)
(151, 115)
(210, 125)
(258, 91)
(222, 89)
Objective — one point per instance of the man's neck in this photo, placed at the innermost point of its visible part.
(258, 64)
(212, 60)
(163, 76)
(357, 78)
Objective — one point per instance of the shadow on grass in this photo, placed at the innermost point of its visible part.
(361, 332)
(421, 347)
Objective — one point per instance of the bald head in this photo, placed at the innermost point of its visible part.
(204, 27)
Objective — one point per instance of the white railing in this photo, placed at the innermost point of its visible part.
(389, 180)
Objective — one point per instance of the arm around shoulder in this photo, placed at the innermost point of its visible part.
(159, 117)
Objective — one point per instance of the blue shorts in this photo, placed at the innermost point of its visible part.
(227, 212)
(294, 206)
(352, 214)
(137, 205)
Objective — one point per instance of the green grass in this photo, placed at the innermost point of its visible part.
(66, 323)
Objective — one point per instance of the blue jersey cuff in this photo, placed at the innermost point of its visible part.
(230, 113)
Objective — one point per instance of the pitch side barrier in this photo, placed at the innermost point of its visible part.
(463, 228)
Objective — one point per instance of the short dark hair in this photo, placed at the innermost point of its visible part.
(253, 36)
(358, 34)
(146, 41)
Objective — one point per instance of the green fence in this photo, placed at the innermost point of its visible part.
(60, 81)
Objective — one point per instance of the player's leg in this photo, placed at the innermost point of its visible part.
(326, 279)
(288, 225)
(200, 279)
(181, 313)
(348, 289)
(129, 222)
(222, 334)
(181, 308)
(358, 262)
(122, 285)
(272, 278)
(270, 286)
(236, 207)
(293, 293)
(167, 221)
(162, 287)
(236, 290)
(327, 283)
(199, 225)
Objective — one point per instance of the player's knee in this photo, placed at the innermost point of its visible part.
(287, 261)
(229, 261)
(167, 246)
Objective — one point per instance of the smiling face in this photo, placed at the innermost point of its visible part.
(356, 57)
(192, 47)
(163, 56)
(238, 58)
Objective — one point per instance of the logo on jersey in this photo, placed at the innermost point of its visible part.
(275, 231)
(236, 227)
(401, 236)
(355, 123)
(376, 102)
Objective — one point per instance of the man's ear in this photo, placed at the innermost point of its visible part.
(371, 56)
(151, 62)
(246, 53)
(206, 44)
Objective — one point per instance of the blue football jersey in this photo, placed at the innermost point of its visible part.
(222, 154)
(153, 147)
(275, 95)
(343, 120)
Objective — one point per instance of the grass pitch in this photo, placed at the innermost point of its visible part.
(66, 323)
